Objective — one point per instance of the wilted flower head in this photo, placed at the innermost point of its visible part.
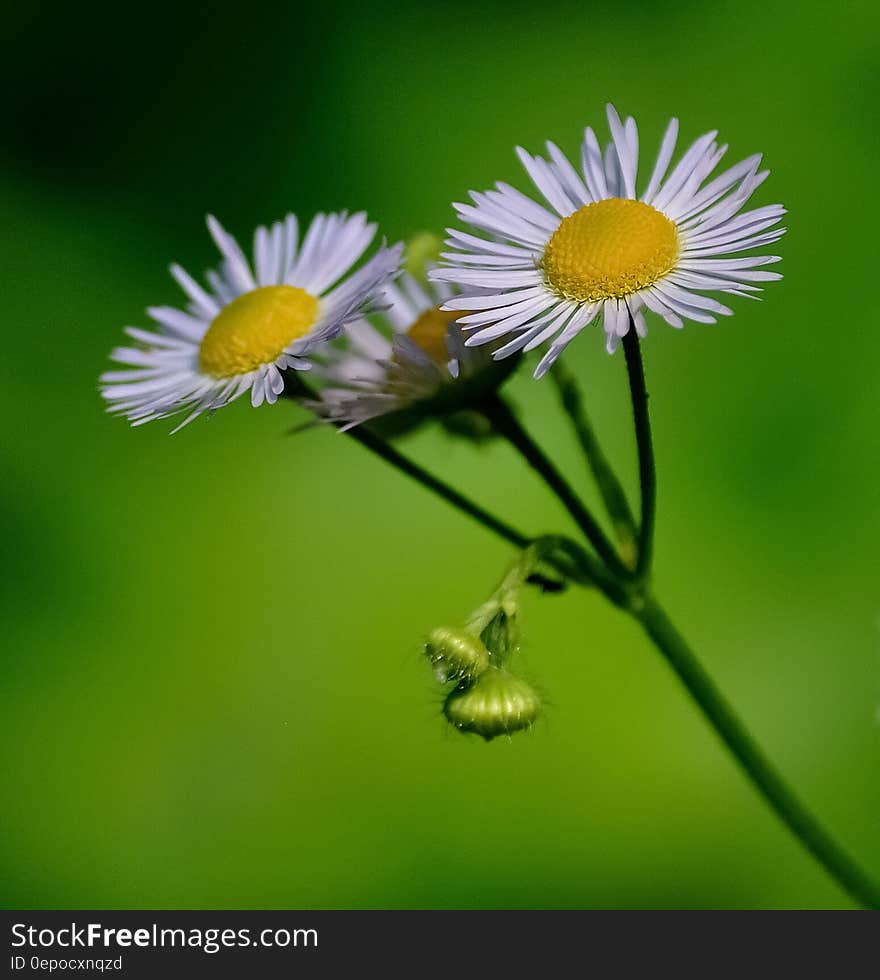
(410, 358)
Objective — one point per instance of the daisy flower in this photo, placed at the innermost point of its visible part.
(413, 359)
(601, 251)
(251, 322)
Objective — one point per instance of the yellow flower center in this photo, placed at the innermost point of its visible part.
(429, 332)
(610, 249)
(255, 329)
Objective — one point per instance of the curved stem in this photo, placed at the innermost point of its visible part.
(647, 474)
(571, 561)
(376, 444)
(296, 389)
(757, 767)
(507, 425)
(547, 550)
(568, 558)
(610, 489)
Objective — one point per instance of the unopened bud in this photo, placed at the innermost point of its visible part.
(422, 248)
(498, 703)
(456, 655)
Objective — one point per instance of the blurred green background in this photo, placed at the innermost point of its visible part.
(212, 691)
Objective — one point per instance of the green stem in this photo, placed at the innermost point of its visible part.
(570, 560)
(507, 425)
(384, 450)
(613, 494)
(296, 389)
(701, 687)
(540, 552)
(573, 561)
(647, 475)
(757, 767)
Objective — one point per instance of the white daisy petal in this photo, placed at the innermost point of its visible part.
(531, 306)
(159, 340)
(489, 261)
(739, 245)
(629, 160)
(528, 334)
(178, 322)
(405, 364)
(309, 251)
(276, 247)
(562, 314)
(263, 258)
(237, 269)
(222, 288)
(685, 167)
(697, 281)
(205, 305)
(682, 200)
(509, 225)
(667, 148)
(677, 294)
(655, 304)
(640, 324)
(290, 236)
(591, 160)
(579, 320)
(347, 299)
(491, 301)
(494, 279)
(187, 367)
(774, 211)
(460, 239)
(343, 245)
(632, 139)
(680, 306)
(728, 235)
(536, 276)
(613, 173)
(506, 198)
(522, 320)
(568, 176)
(547, 182)
(720, 186)
(729, 205)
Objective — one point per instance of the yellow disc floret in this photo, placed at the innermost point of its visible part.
(429, 332)
(610, 249)
(255, 329)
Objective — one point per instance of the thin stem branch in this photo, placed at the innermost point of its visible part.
(384, 450)
(506, 424)
(702, 688)
(570, 560)
(610, 488)
(757, 767)
(647, 474)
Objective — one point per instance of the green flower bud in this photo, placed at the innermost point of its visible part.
(498, 703)
(456, 655)
(422, 248)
